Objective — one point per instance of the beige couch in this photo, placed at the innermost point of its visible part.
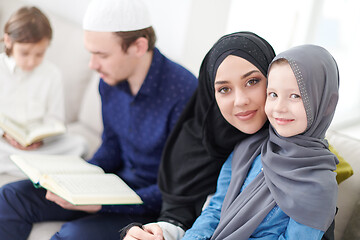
(83, 117)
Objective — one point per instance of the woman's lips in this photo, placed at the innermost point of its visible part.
(244, 116)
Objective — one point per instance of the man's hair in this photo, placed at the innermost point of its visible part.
(128, 38)
(27, 25)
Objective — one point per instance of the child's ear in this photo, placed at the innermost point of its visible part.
(7, 41)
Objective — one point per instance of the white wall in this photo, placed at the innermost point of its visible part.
(186, 30)
(333, 24)
(170, 20)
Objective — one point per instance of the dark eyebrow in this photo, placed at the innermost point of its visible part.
(221, 82)
(249, 73)
(242, 77)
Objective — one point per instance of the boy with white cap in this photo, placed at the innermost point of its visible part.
(143, 94)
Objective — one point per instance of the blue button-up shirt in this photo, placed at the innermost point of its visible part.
(275, 226)
(136, 128)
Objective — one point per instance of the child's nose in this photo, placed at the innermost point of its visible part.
(280, 106)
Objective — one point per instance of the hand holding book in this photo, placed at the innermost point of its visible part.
(26, 135)
(69, 206)
(75, 180)
(17, 145)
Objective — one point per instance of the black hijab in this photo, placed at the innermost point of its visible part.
(202, 139)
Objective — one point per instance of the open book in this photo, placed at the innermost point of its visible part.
(26, 135)
(75, 180)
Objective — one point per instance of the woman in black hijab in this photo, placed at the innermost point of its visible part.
(201, 141)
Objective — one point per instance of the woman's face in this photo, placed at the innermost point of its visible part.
(240, 92)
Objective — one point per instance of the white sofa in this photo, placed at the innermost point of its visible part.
(83, 116)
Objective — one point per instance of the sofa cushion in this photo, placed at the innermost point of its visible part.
(90, 110)
(67, 51)
(349, 190)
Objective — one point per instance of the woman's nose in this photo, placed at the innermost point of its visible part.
(241, 99)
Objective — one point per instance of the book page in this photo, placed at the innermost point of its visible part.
(33, 132)
(34, 165)
(14, 129)
(39, 131)
(90, 189)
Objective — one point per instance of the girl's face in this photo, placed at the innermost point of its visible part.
(28, 55)
(240, 92)
(284, 106)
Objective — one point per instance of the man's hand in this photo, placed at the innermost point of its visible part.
(151, 231)
(17, 145)
(66, 205)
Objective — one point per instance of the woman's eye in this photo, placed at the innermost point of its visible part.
(272, 94)
(252, 82)
(295, 96)
(224, 90)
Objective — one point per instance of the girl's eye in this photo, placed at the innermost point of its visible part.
(224, 90)
(252, 82)
(272, 94)
(295, 96)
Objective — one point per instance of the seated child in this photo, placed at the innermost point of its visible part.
(31, 87)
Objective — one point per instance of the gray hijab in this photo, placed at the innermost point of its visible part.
(297, 171)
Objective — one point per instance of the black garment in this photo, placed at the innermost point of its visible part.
(202, 139)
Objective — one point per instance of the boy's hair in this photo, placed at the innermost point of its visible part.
(27, 25)
(128, 38)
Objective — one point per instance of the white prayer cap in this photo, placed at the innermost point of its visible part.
(116, 16)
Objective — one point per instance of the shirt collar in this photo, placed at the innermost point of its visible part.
(151, 83)
(11, 64)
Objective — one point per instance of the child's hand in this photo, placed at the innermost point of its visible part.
(17, 145)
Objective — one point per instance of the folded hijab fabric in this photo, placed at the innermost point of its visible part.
(202, 139)
(297, 171)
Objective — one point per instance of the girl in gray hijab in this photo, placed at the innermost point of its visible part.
(287, 190)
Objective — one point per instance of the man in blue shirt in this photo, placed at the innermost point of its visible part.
(143, 94)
